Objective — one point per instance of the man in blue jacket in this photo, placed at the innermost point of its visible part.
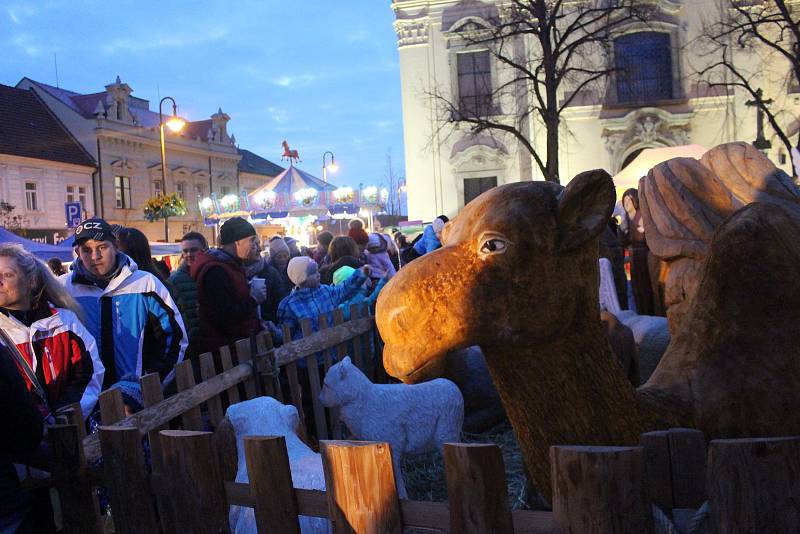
(129, 312)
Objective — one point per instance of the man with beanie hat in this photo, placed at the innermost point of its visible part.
(128, 311)
(227, 303)
(310, 299)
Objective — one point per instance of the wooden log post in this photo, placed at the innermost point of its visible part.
(341, 352)
(600, 490)
(358, 349)
(79, 507)
(754, 485)
(74, 415)
(360, 482)
(476, 489)
(320, 423)
(271, 484)
(687, 453)
(126, 480)
(676, 468)
(192, 418)
(195, 483)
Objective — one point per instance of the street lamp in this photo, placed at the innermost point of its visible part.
(175, 124)
(333, 167)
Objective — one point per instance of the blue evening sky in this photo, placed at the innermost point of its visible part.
(322, 74)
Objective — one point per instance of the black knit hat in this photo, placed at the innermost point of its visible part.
(235, 229)
(94, 228)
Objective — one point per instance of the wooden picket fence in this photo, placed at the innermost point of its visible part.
(749, 484)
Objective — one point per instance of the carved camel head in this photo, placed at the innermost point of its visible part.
(517, 265)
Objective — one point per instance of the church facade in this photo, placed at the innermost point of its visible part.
(447, 164)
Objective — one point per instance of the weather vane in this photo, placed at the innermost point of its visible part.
(291, 155)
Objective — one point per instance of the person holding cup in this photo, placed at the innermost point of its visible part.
(227, 302)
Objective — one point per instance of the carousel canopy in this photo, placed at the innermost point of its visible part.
(292, 180)
(43, 251)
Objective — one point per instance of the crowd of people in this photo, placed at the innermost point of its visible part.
(117, 314)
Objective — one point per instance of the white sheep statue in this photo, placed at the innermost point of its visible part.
(265, 416)
(413, 419)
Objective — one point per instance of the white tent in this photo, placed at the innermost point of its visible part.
(649, 158)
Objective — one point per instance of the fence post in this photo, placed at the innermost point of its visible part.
(126, 479)
(360, 486)
(152, 394)
(754, 485)
(271, 484)
(244, 354)
(78, 503)
(687, 451)
(476, 489)
(659, 477)
(600, 490)
(112, 407)
(192, 418)
(196, 486)
(320, 423)
(208, 371)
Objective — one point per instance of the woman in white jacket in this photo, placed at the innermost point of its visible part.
(56, 356)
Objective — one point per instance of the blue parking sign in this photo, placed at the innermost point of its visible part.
(73, 212)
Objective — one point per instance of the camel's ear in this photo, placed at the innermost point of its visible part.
(584, 208)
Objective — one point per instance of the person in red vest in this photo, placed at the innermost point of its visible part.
(227, 304)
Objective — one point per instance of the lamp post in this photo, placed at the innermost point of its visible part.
(175, 124)
(333, 167)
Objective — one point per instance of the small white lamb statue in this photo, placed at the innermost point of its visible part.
(265, 416)
(413, 419)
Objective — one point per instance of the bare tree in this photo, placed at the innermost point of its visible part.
(550, 52)
(746, 37)
(9, 219)
(392, 183)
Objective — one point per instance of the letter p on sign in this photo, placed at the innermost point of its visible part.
(73, 213)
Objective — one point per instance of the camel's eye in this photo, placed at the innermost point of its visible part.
(493, 246)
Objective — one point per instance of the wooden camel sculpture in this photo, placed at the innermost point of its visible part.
(518, 275)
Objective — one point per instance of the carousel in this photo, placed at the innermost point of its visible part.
(295, 203)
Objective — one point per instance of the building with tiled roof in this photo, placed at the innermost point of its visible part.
(121, 133)
(42, 166)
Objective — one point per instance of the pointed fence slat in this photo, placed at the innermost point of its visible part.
(214, 404)
(267, 370)
(320, 424)
(362, 496)
(112, 407)
(244, 353)
(184, 377)
(358, 350)
(227, 364)
(295, 390)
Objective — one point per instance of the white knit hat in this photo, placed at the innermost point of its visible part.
(438, 225)
(298, 269)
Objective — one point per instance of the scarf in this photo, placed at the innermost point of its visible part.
(255, 268)
(83, 276)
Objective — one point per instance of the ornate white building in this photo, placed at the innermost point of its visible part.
(665, 104)
(121, 133)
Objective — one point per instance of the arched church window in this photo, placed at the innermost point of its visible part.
(643, 63)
